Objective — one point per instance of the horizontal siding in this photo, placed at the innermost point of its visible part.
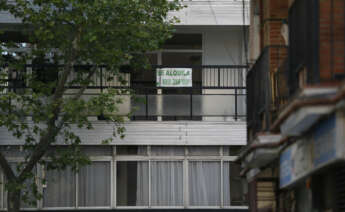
(212, 13)
(204, 12)
(159, 133)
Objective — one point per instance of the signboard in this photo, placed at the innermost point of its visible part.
(174, 77)
(322, 147)
(295, 162)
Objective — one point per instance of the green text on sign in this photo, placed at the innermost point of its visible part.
(174, 77)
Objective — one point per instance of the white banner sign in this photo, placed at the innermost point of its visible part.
(174, 77)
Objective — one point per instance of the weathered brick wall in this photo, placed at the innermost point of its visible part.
(274, 14)
(332, 44)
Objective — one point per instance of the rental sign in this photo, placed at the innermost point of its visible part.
(174, 77)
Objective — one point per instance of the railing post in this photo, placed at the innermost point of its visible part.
(218, 76)
(191, 104)
(236, 104)
(101, 80)
(146, 106)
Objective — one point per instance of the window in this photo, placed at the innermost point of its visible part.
(94, 185)
(231, 150)
(167, 150)
(184, 41)
(167, 183)
(233, 186)
(203, 150)
(132, 183)
(204, 183)
(175, 176)
(143, 177)
(131, 150)
(60, 187)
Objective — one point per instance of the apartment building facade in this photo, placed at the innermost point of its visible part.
(181, 142)
(294, 160)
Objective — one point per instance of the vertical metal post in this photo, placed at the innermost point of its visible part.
(221, 183)
(149, 163)
(218, 76)
(191, 103)
(101, 81)
(114, 179)
(235, 103)
(146, 106)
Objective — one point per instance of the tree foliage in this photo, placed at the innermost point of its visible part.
(68, 43)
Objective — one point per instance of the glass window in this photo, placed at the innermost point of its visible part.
(132, 183)
(131, 150)
(182, 58)
(204, 150)
(94, 185)
(97, 150)
(167, 150)
(59, 190)
(204, 183)
(233, 187)
(184, 41)
(166, 183)
(231, 150)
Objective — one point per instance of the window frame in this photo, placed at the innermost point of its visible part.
(186, 159)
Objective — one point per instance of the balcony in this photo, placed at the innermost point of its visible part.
(263, 99)
(218, 93)
(316, 51)
(281, 92)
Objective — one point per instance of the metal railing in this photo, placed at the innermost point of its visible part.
(281, 93)
(263, 92)
(191, 105)
(316, 50)
(217, 91)
(303, 43)
(258, 92)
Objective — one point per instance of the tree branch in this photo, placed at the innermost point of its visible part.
(6, 167)
(82, 89)
(52, 129)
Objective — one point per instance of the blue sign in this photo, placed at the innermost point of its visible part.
(310, 153)
(324, 140)
(286, 168)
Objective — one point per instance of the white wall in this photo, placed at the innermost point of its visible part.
(213, 12)
(197, 12)
(221, 45)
